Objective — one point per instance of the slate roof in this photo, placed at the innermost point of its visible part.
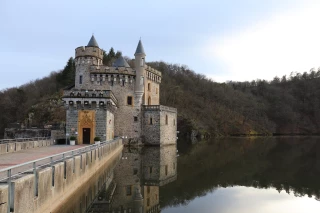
(140, 49)
(92, 42)
(121, 62)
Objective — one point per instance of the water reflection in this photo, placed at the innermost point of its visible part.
(137, 178)
(224, 175)
(286, 166)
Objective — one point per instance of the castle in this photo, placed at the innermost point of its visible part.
(122, 101)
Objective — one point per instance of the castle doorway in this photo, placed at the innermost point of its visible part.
(86, 133)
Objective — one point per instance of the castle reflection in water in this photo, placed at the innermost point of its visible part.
(134, 187)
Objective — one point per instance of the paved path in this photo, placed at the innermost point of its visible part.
(11, 159)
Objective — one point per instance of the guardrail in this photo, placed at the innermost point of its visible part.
(11, 172)
(2, 141)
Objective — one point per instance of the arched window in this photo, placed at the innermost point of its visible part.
(166, 119)
(149, 100)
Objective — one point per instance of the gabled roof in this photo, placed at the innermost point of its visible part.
(140, 49)
(92, 42)
(121, 62)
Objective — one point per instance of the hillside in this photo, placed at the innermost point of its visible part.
(284, 106)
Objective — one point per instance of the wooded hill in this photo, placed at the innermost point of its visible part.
(287, 105)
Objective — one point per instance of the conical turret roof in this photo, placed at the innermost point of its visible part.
(121, 62)
(140, 49)
(93, 42)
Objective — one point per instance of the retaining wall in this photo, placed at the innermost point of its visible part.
(64, 186)
(17, 146)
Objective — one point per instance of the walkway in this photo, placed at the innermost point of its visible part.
(11, 159)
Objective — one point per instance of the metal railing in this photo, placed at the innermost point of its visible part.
(3, 141)
(31, 167)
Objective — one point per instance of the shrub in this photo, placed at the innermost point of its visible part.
(96, 139)
(73, 138)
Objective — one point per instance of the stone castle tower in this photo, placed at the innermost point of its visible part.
(118, 100)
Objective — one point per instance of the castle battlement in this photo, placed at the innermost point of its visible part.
(117, 100)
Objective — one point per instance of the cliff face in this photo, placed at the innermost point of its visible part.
(287, 106)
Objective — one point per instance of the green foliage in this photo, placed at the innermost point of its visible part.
(73, 138)
(109, 58)
(67, 75)
(96, 139)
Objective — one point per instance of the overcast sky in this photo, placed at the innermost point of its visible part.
(223, 39)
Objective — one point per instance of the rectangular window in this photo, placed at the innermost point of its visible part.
(128, 190)
(148, 189)
(166, 168)
(135, 118)
(80, 79)
(150, 122)
(150, 169)
(129, 100)
(135, 171)
(148, 202)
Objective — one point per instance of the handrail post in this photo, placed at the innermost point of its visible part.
(10, 193)
(35, 179)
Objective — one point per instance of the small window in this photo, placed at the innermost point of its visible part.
(135, 118)
(156, 90)
(166, 119)
(150, 122)
(123, 82)
(135, 171)
(174, 122)
(150, 169)
(149, 87)
(142, 62)
(174, 166)
(80, 79)
(128, 190)
(148, 189)
(166, 168)
(129, 100)
(148, 202)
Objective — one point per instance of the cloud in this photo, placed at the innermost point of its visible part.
(277, 46)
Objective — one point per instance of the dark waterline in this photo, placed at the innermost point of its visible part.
(272, 174)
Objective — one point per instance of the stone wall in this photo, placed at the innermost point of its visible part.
(101, 124)
(168, 126)
(163, 128)
(124, 115)
(151, 127)
(72, 121)
(11, 133)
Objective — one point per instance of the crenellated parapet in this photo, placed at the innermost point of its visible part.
(89, 99)
(89, 52)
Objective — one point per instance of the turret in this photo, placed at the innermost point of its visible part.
(140, 67)
(85, 57)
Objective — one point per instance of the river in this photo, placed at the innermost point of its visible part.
(265, 175)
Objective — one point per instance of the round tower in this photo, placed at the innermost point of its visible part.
(140, 67)
(84, 58)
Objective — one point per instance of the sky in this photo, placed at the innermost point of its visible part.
(241, 199)
(224, 40)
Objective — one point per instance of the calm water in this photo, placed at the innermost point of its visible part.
(265, 175)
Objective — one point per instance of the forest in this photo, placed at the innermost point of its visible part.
(288, 105)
